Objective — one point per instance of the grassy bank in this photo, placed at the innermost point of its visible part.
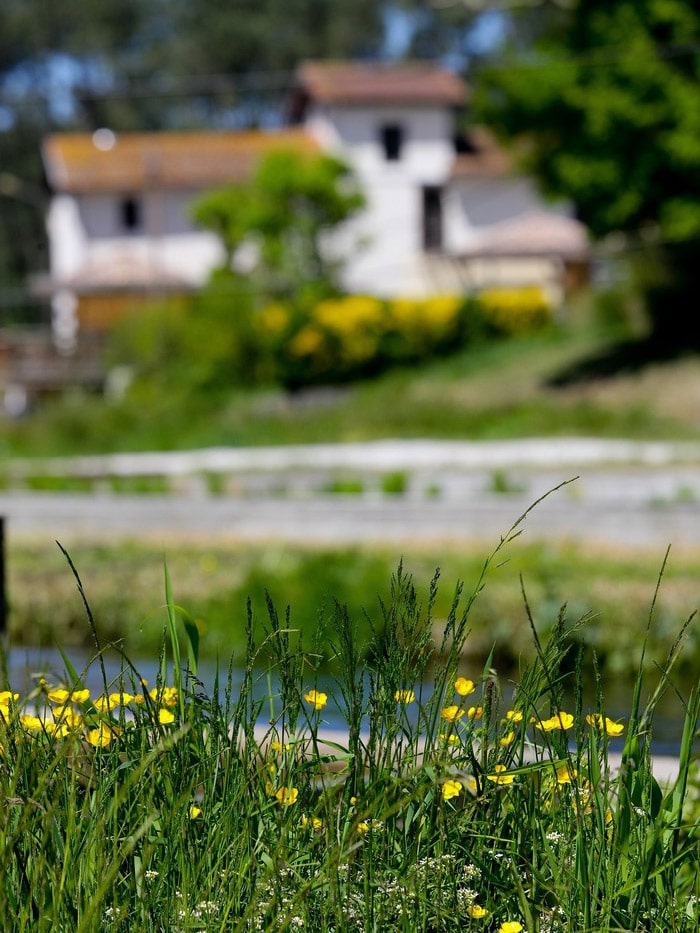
(612, 589)
(156, 807)
(490, 391)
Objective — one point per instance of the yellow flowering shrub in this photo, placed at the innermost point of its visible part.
(350, 336)
(307, 342)
(341, 338)
(274, 318)
(514, 312)
(419, 327)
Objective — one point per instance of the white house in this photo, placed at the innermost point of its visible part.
(443, 214)
(119, 224)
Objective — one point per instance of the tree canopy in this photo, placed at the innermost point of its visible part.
(293, 201)
(607, 111)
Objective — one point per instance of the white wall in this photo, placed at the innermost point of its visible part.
(382, 247)
(87, 230)
(390, 229)
(67, 239)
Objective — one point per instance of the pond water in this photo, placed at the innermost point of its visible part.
(26, 665)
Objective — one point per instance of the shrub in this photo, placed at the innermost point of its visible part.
(205, 343)
(351, 336)
(220, 339)
(514, 312)
(345, 338)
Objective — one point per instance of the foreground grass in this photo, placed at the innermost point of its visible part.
(490, 391)
(215, 581)
(438, 806)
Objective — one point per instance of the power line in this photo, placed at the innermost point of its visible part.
(185, 85)
(596, 57)
(276, 82)
(500, 6)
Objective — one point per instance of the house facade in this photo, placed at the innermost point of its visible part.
(443, 214)
(119, 224)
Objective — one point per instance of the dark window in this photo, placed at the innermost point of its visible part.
(464, 144)
(131, 214)
(392, 140)
(432, 217)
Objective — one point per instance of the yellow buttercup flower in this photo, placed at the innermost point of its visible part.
(287, 796)
(121, 699)
(165, 717)
(317, 699)
(510, 926)
(501, 776)
(565, 774)
(31, 723)
(80, 696)
(194, 811)
(166, 696)
(363, 827)
(68, 716)
(102, 704)
(514, 715)
(404, 696)
(506, 739)
(100, 736)
(476, 912)
(451, 789)
(452, 713)
(475, 712)
(464, 687)
(602, 722)
(58, 695)
(314, 822)
(279, 747)
(558, 721)
(6, 696)
(450, 738)
(56, 729)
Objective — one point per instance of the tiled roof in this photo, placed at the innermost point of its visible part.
(483, 158)
(132, 161)
(341, 82)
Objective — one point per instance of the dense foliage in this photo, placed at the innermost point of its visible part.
(293, 202)
(354, 336)
(607, 111)
(307, 341)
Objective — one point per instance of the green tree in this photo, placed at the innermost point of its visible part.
(608, 114)
(227, 213)
(252, 36)
(291, 205)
